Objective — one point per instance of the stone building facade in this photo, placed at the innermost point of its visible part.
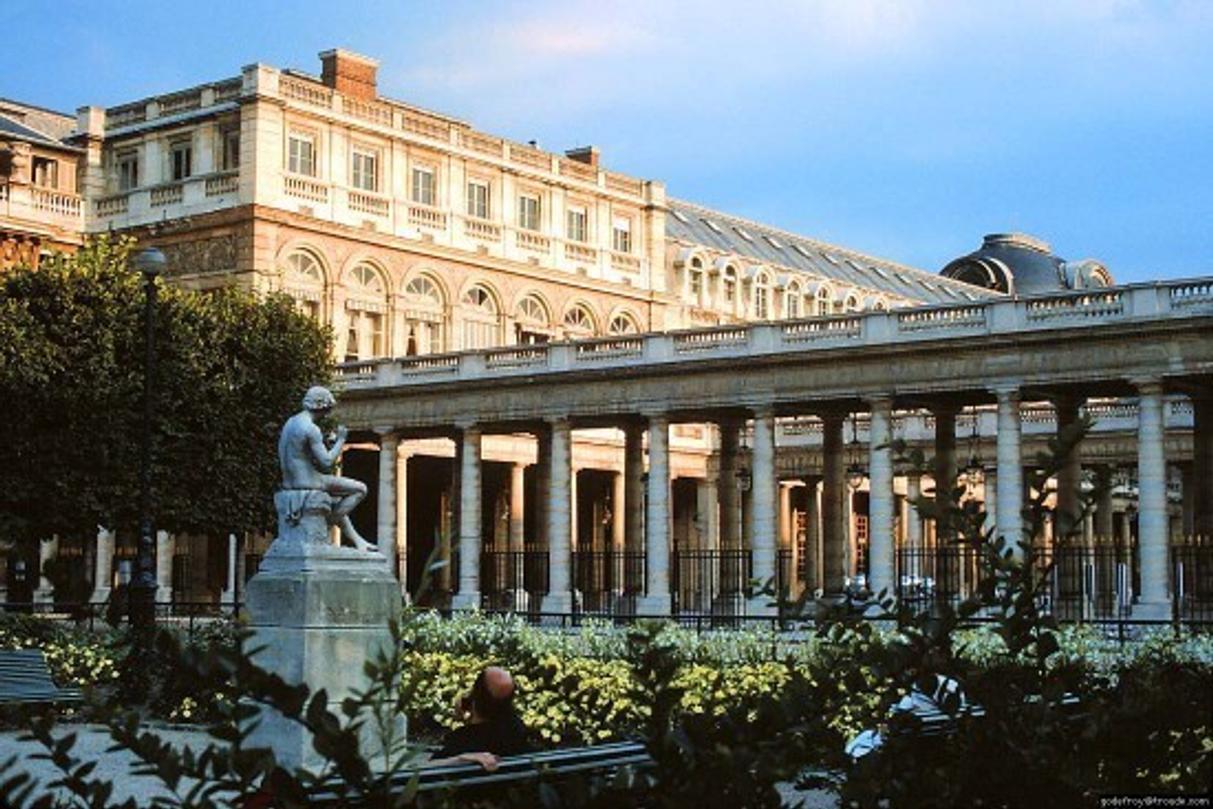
(415, 235)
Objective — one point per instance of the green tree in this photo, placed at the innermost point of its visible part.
(231, 367)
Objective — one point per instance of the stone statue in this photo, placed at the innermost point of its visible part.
(307, 486)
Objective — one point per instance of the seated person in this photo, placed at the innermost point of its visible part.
(492, 727)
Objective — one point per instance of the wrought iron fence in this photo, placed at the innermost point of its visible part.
(710, 582)
(513, 580)
(1192, 571)
(608, 582)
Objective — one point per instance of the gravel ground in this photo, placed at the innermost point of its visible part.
(93, 744)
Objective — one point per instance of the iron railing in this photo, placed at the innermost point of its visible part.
(608, 582)
(513, 580)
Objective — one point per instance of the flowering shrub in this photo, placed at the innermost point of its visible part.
(74, 656)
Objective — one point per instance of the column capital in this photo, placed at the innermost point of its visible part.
(653, 416)
(1147, 385)
(386, 433)
(557, 421)
(464, 425)
(879, 399)
(762, 411)
(1006, 391)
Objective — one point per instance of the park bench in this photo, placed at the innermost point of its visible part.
(549, 765)
(25, 678)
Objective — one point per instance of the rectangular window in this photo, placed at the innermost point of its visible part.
(181, 157)
(577, 230)
(423, 185)
(128, 171)
(364, 173)
(301, 155)
(478, 199)
(229, 144)
(528, 212)
(46, 172)
(621, 235)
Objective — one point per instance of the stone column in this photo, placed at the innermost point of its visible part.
(761, 519)
(656, 600)
(229, 589)
(517, 507)
(560, 515)
(707, 494)
(1155, 594)
(401, 558)
(730, 500)
(785, 515)
(1202, 463)
(633, 484)
(48, 549)
(1069, 476)
(103, 571)
(812, 536)
(914, 547)
(834, 518)
(944, 470)
(470, 518)
(385, 530)
(166, 545)
(880, 509)
(990, 490)
(1010, 470)
(1103, 513)
(1187, 478)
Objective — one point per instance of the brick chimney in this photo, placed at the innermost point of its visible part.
(584, 154)
(349, 73)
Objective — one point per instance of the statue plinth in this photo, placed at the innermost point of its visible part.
(317, 612)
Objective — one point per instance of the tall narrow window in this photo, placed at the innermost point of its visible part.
(423, 185)
(425, 317)
(127, 164)
(762, 297)
(728, 287)
(528, 212)
(229, 144)
(480, 318)
(364, 173)
(46, 172)
(695, 282)
(621, 235)
(365, 307)
(181, 157)
(478, 199)
(301, 155)
(577, 229)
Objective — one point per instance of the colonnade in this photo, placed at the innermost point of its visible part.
(642, 496)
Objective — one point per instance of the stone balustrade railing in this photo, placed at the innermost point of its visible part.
(24, 201)
(1006, 316)
(202, 189)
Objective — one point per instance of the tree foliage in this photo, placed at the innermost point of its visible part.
(230, 367)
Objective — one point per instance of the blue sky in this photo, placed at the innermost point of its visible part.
(904, 128)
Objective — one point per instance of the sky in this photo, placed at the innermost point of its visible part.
(906, 129)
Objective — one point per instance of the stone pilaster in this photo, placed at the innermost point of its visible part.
(729, 496)
(517, 507)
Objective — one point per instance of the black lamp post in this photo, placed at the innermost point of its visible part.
(150, 263)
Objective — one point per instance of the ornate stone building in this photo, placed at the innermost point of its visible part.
(418, 237)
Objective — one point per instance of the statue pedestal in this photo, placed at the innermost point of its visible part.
(317, 612)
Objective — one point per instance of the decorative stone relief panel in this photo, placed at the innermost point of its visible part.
(216, 254)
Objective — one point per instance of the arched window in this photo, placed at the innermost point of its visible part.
(851, 303)
(366, 309)
(532, 321)
(824, 294)
(762, 297)
(728, 288)
(623, 323)
(424, 317)
(695, 282)
(303, 280)
(481, 321)
(791, 301)
(578, 322)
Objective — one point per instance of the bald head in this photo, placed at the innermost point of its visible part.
(493, 693)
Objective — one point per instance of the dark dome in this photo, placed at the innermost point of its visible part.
(1018, 264)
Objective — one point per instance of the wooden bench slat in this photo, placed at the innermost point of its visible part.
(25, 678)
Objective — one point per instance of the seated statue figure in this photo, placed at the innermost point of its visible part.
(306, 463)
